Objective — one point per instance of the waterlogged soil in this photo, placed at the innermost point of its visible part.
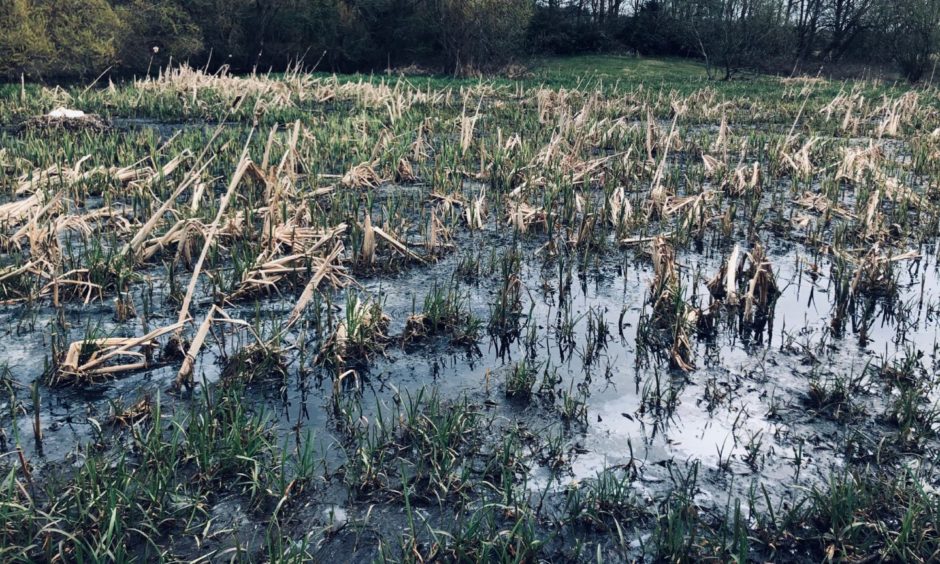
(744, 413)
(747, 390)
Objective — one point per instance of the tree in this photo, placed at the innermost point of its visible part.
(24, 45)
(806, 18)
(155, 31)
(480, 33)
(84, 35)
(652, 30)
(915, 35)
(844, 20)
(225, 28)
(735, 34)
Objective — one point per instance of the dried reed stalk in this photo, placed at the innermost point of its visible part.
(210, 236)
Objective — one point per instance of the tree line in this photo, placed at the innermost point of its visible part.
(79, 38)
(735, 35)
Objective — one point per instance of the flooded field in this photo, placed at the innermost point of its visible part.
(309, 318)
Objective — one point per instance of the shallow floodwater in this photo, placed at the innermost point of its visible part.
(742, 408)
(743, 414)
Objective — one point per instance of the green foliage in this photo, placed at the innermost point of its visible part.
(84, 33)
(915, 26)
(155, 32)
(136, 35)
(23, 43)
(76, 38)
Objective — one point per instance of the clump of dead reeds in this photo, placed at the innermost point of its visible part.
(799, 161)
(670, 314)
(195, 86)
(762, 290)
(724, 286)
(271, 269)
(97, 358)
(749, 280)
(361, 176)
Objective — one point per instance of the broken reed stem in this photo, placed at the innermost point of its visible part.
(141, 237)
(367, 254)
(660, 170)
(312, 286)
(399, 246)
(291, 149)
(126, 345)
(266, 158)
(37, 427)
(191, 290)
(185, 375)
(731, 277)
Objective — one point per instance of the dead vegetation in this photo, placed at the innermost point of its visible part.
(463, 226)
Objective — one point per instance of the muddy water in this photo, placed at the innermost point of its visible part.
(742, 409)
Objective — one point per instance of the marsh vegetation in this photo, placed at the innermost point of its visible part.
(613, 317)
